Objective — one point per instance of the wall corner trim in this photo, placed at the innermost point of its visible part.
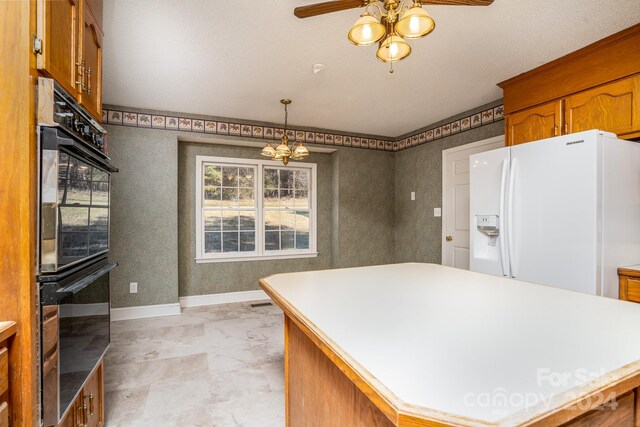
(144, 311)
(224, 298)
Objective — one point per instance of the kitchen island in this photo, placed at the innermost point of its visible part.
(427, 345)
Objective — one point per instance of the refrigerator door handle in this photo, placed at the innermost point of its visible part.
(512, 250)
(502, 235)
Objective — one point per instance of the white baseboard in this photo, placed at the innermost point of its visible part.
(213, 299)
(140, 312)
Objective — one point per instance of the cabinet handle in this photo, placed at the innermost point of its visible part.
(566, 128)
(90, 397)
(82, 416)
(82, 73)
(88, 80)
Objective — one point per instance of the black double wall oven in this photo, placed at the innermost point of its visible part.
(73, 247)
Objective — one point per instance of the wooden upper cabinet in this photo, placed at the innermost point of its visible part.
(91, 42)
(614, 107)
(596, 87)
(71, 35)
(58, 30)
(532, 124)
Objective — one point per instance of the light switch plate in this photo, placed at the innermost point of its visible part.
(133, 287)
(413, 195)
(437, 212)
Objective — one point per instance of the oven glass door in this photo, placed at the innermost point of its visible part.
(83, 336)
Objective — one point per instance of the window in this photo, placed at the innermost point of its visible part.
(254, 209)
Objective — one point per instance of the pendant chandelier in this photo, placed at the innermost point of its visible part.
(389, 23)
(284, 152)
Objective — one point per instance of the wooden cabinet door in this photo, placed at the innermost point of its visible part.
(94, 398)
(91, 42)
(58, 30)
(534, 123)
(614, 107)
(69, 420)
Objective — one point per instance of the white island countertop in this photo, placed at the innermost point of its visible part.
(465, 347)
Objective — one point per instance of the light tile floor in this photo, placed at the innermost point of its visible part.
(219, 365)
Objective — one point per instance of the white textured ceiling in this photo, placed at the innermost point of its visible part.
(238, 58)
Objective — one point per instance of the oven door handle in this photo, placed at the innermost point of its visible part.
(85, 281)
(75, 146)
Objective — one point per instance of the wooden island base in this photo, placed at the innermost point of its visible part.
(327, 387)
(318, 393)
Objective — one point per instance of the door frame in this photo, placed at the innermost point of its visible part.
(489, 144)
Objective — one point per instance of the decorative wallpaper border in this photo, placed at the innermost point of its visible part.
(260, 132)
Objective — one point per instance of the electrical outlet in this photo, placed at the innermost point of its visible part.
(437, 212)
(133, 288)
(413, 195)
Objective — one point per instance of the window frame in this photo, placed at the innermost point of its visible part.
(260, 253)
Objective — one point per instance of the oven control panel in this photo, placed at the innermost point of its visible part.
(70, 117)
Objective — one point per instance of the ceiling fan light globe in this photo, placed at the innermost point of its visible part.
(283, 150)
(415, 23)
(393, 49)
(366, 31)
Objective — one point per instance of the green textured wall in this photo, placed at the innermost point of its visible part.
(152, 234)
(418, 234)
(144, 221)
(364, 212)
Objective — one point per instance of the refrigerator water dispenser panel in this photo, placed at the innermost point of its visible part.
(489, 225)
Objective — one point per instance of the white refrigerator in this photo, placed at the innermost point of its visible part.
(563, 211)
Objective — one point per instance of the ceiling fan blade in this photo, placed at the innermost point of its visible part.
(326, 7)
(459, 2)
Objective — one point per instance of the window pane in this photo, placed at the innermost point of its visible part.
(272, 240)
(247, 241)
(270, 178)
(301, 179)
(302, 199)
(246, 176)
(248, 221)
(302, 221)
(229, 176)
(229, 221)
(246, 197)
(302, 240)
(287, 220)
(271, 198)
(286, 198)
(212, 242)
(212, 221)
(286, 178)
(287, 241)
(212, 175)
(230, 241)
(229, 197)
(212, 196)
(272, 220)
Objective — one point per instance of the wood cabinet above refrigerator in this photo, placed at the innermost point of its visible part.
(69, 48)
(596, 87)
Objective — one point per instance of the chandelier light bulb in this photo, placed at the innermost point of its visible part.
(366, 32)
(393, 50)
(414, 24)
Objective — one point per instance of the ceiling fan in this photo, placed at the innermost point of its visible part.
(386, 22)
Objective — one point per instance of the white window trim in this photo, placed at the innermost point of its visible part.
(259, 254)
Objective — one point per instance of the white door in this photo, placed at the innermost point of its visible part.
(554, 227)
(455, 200)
